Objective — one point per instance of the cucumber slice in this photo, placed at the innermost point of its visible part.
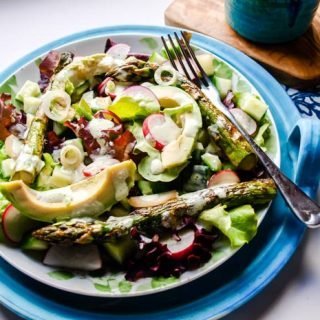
(213, 148)
(121, 249)
(31, 243)
(222, 70)
(206, 62)
(198, 179)
(223, 85)
(251, 104)
(157, 58)
(7, 167)
(31, 104)
(29, 89)
(212, 161)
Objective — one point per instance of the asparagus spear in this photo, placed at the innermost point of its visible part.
(29, 161)
(227, 136)
(30, 157)
(134, 70)
(169, 215)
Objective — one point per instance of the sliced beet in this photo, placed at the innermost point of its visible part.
(156, 257)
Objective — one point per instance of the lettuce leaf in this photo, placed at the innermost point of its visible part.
(3, 204)
(3, 156)
(262, 135)
(239, 224)
(3, 201)
(83, 109)
(128, 108)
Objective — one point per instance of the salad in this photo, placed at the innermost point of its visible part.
(115, 161)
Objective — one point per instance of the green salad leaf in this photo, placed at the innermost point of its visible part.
(3, 156)
(239, 224)
(221, 69)
(144, 167)
(3, 204)
(83, 109)
(129, 108)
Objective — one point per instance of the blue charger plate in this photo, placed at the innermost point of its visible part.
(236, 281)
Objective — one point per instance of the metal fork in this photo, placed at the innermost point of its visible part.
(302, 206)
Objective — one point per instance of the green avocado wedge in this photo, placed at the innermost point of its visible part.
(87, 198)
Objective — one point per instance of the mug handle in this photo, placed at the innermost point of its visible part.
(304, 150)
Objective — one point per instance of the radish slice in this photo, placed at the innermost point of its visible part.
(160, 130)
(81, 257)
(140, 56)
(138, 92)
(150, 122)
(107, 88)
(98, 165)
(15, 225)
(223, 177)
(183, 246)
(119, 51)
(244, 120)
(152, 199)
(180, 69)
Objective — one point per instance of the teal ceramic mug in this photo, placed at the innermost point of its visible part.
(270, 21)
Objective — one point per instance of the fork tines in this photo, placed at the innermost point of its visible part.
(185, 57)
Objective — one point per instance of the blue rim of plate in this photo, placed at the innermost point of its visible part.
(213, 295)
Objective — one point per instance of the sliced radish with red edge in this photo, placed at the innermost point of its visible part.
(119, 51)
(181, 245)
(160, 130)
(156, 119)
(15, 225)
(224, 177)
(103, 88)
(137, 91)
(98, 165)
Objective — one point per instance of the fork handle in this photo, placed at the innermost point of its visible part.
(300, 204)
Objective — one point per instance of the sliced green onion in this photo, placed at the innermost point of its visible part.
(56, 105)
(166, 76)
(71, 157)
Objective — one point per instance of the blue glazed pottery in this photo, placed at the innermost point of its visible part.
(270, 21)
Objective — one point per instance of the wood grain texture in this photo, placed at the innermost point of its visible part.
(296, 63)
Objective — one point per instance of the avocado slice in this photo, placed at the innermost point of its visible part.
(177, 152)
(171, 97)
(90, 197)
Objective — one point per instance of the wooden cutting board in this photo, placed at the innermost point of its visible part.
(296, 63)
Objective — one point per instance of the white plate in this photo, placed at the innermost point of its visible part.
(114, 285)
